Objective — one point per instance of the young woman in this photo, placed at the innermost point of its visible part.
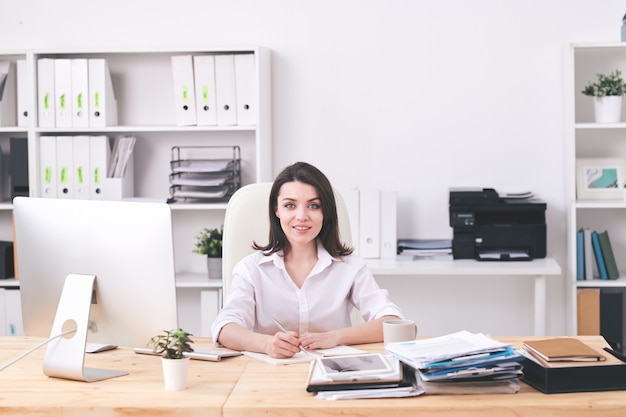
(305, 278)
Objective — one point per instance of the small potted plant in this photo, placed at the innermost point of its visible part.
(607, 92)
(172, 345)
(209, 243)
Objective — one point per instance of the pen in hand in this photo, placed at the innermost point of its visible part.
(283, 329)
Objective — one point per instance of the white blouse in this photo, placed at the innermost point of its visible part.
(262, 290)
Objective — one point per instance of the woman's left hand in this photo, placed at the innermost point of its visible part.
(314, 341)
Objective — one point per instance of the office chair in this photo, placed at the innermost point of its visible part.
(246, 220)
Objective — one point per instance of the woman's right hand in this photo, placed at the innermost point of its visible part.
(283, 345)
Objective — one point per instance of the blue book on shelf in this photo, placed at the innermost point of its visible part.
(580, 256)
(597, 250)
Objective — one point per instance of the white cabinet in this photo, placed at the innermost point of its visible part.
(143, 85)
(587, 139)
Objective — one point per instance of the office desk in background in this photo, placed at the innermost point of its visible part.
(539, 269)
(244, 387)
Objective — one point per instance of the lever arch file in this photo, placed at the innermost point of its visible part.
(102, 103)
(184, 95)
(226, 90)
(206, 102)
(63, 92)
(45, 92)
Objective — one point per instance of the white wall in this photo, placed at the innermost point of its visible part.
(414, 96)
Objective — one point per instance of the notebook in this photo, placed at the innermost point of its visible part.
(562, 349)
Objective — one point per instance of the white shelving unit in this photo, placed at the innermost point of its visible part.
(587, 139)
(143, 86)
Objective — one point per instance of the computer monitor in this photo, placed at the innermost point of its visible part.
(126, 245)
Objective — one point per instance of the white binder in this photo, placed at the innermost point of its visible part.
(7, 94)
(48, 166)
(102, 103)
(99, 154)
(63, 92)
(24, 112)
(184, 95)
(204, 80)
(65, 167)
(245, 83)
(226, 90)
(388, 225)
(81, 172)
(80, 92)
(369, 223)
(45, 92)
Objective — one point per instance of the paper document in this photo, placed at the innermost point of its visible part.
(418, 353)
(304, 357)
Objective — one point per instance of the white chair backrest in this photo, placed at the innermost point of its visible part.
(247, 221)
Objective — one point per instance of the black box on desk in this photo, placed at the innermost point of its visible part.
(608, 375)
(7, 268)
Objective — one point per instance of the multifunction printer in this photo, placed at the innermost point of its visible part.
(487, 226)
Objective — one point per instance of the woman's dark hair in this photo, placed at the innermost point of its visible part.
(329, 234)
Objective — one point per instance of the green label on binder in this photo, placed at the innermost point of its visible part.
(205, 94)
(62, 103)
(96, 99)
(79, 175)
(47, 174)
(63, 175)
(96, 176)
(185, 94)
(79, 101)
(46, 101)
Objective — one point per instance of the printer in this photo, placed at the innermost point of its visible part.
(487, 226)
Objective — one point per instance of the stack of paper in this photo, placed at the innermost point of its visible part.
(462, 363)
(425, 247)
(120, 157)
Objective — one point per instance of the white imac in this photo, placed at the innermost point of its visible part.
(126, 246)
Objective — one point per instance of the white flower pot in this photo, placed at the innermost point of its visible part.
(175, 373)
(214, 266)
(608, 109)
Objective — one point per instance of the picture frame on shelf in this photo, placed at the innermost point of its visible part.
(600, 178)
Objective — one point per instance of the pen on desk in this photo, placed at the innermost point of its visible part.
(283, 329)
(618, 355)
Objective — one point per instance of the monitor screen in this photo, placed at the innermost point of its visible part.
(128, 246)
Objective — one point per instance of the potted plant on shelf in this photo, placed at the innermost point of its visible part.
(209, 243)
(607, 92)
(172, 345)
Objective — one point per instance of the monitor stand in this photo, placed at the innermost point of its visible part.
(65, 355)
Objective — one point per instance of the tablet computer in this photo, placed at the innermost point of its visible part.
(353, 366)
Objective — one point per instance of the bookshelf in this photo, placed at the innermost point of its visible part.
(144, 89)
(588, 139)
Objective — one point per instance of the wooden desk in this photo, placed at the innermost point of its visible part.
(245, 387)
(25, 390)
(268, 390)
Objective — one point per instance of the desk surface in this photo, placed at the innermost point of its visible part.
(238, 387)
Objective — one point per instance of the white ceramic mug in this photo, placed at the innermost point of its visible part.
(399, 330)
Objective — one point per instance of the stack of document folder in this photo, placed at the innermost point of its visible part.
(462, 363)
(199, 179)
(399, 381)
(425, 248)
